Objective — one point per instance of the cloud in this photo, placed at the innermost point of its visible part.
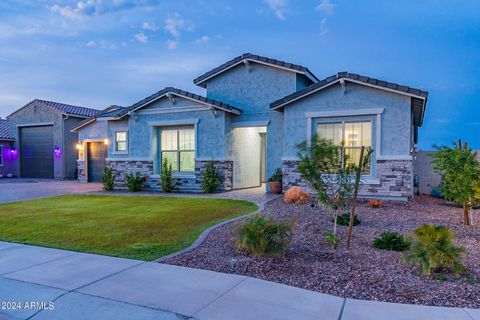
(149, 26)
(141, 37)
(203, 39)
(87, 8)
(279, 7)
(172, 44)
(323, 26)
(175, 24)
(326, 7)
(91, 44)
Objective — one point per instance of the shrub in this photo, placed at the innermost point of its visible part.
(375, 203)
(134, 182)
(296, 195)
(332, 239)
(391, 241)
(108, 179)
(276, 176)
(434, 251)
(261, 236)
(344, 219)
(166, 177)
(211, 178)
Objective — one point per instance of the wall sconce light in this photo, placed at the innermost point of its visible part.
(11, 153)
(105, 141)
(57, 151)
(79, 146)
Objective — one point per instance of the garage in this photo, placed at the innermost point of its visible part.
(96, 154)
(36, 152)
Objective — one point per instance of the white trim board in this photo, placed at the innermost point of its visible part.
(242, 124)
(173, 122)
(38, 124)
(344, 113)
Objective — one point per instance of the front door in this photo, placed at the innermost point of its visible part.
(96, 155)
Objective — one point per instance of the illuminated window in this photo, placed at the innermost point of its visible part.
(350, 137)
(178, 147)
(121, 141)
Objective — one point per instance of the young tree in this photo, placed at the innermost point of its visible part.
(460, 172)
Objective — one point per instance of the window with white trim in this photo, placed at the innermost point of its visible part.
(177, 145)
(121, 141)
(350, 137)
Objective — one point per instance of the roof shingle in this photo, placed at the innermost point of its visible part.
(5, 133)
(64, 108)
(254, 57)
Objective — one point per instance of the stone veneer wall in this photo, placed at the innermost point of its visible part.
(183, 184)
(396, 179)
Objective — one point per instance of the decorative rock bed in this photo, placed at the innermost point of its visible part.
(363, 272)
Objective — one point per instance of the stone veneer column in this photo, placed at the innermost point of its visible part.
(120, 168)
(81, 171)
(225, 169)
(395, 179)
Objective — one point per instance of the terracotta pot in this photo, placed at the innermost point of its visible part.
(275, 187)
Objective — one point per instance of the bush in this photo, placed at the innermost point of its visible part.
(434, 251)
(108, 179)
(166, 177)
(211, 178)
(261, 236)
(276, 176)
(134, 182)
(296, 195)
(344, 219)
(375, 203)
(391, 241)
(332, 239)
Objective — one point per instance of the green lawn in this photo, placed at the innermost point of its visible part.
(136, 227)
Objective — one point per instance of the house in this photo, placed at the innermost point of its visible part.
(255, 111)
(41, 143)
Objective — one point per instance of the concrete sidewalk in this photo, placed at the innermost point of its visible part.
(86, 286)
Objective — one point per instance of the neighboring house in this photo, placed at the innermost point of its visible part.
(7, 151)
(255, 112)
(43, 144)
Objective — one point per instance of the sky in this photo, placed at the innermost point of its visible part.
(96, 53)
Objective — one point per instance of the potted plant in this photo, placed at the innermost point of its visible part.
(275, 181)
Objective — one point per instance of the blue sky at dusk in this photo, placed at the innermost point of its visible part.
(98, 53)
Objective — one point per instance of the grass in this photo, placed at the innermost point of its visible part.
(135, 227)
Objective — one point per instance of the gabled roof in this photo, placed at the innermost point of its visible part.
(419, 97)
(106, 112)
(66, 109)
(5, 133)
(200, 81)
(118, 114)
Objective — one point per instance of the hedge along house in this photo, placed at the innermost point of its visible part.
(44, 146)
(255, 111)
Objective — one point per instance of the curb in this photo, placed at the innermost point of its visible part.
(209, 230)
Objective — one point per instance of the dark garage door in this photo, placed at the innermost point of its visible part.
(96, 154)
(36, 152)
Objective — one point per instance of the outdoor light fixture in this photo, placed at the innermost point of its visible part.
(105, 141)
(79, 146)
(57, 151)
(11, 154)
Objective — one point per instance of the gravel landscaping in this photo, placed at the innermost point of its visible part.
(363, 272)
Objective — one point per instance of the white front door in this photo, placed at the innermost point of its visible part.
(247, 157)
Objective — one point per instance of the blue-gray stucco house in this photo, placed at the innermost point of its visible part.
(255, 111)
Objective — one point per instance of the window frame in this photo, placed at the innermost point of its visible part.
(343, 147)
(178, 151)
(115, 142)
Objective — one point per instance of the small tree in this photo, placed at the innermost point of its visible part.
(460, 172)
(211, 178)
(321, 165)
(166, 177)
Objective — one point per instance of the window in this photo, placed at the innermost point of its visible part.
(349, 136)
(178, 146)
(121, 141)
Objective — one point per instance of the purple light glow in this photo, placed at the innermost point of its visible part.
(10, 154)
(57, 151)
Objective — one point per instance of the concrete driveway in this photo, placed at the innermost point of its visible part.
(24, 189)
(42, 283)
